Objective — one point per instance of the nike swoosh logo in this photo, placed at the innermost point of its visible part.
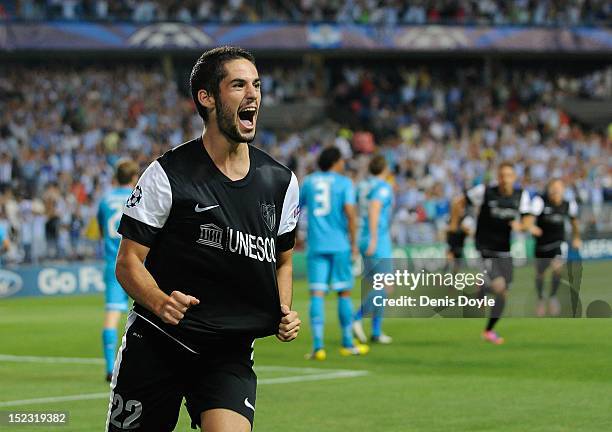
(248, 404)
(199, 209)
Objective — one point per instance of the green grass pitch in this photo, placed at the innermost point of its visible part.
(551, 375)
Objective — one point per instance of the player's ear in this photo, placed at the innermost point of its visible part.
(206, 99)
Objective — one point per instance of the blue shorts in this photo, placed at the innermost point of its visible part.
(384, 249)
(381, 261)
(375, 264)
(116, 299)
(327, 270)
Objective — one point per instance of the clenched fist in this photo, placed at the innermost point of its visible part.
(289, 326)
(174, 306)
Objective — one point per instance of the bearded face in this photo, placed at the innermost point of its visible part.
(237, 126)
(237, 103)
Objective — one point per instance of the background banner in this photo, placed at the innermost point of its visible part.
(156, 36)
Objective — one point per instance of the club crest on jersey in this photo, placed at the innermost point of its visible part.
(135, 198)
(211, 235)
(268, 212)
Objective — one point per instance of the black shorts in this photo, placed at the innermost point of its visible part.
(153, 373)
(543, 263)
(551, 253)
(455, 241)
(498, 266)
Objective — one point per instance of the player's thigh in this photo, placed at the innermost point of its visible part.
(503, 274)
(499, 273)
(386, 266)
(542, 263)
(341, 271)
(223, 420)
(145, 394)
(224, 382)
(558, 261)
(319, 271)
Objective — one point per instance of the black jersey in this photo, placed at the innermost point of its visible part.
(496, 212)
(551, 219)
(214, 239)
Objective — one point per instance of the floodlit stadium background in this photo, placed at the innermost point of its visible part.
(445, 90)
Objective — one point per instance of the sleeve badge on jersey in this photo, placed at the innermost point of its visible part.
(268, 212)
(135, 198)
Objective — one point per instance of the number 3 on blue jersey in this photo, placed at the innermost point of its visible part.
(322, 197)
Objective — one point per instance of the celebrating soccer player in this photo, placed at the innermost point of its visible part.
(213, 221)
(375, 197)
(503, 208)
(551, 211)
(329, 199)
(109, 214)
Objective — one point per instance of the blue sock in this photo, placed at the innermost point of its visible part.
(367, 307)
(345, 312)
(317, 320)
(109, 343)
(377, 317)
(377, 325)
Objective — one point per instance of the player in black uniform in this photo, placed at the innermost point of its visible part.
(213, 221)
(502, 209)
(551, 212)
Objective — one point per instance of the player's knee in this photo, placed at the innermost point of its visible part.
(498, 286)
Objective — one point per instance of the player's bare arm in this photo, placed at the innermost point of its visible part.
(140, 285)
(457, 206)
(520, 225)
(373, 218)
(530, 226)
(576, 241)
(351, 215)
(289, 326)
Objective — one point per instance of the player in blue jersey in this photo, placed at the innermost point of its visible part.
(329, 200)
(375, 197)
(109, 215)
(4, 241)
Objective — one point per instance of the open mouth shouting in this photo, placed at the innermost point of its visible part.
(247, 117)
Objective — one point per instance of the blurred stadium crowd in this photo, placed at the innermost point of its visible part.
(385, 12)
(63, 129)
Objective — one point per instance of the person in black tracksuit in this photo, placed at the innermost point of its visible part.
(551, 211)
(502, 209)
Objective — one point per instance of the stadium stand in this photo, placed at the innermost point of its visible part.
(386, 12)
(63, 128)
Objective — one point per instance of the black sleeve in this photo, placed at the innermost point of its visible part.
(137, 231)
(286, 241)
